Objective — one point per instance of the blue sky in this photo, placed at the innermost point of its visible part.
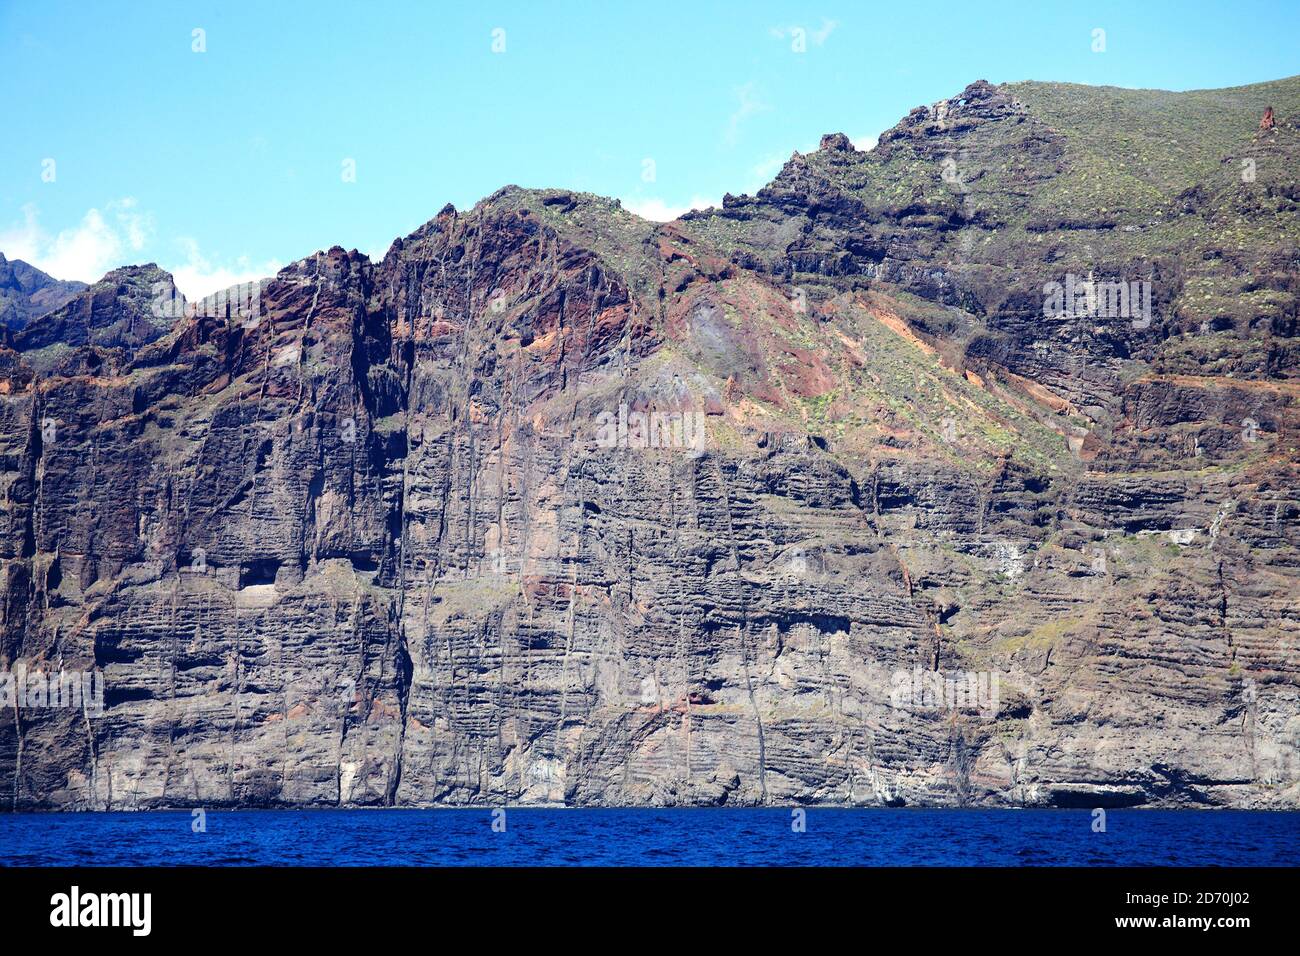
(229, 163)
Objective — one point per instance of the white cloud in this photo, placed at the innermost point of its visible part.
(115, 236)
(103, 240)
(198, 277)
(748, 104)
(656, 210)
(865, 143)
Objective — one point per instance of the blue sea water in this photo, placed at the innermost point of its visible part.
(682, 837)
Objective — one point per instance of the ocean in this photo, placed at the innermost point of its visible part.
(649, 837)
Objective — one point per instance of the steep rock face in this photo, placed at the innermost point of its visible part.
(557, 505)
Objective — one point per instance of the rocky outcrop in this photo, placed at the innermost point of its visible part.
(128, 308)
(781, 503)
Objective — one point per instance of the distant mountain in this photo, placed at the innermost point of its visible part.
(958, 471)
(27, 293)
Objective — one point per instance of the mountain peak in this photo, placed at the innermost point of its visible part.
(836, 142)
